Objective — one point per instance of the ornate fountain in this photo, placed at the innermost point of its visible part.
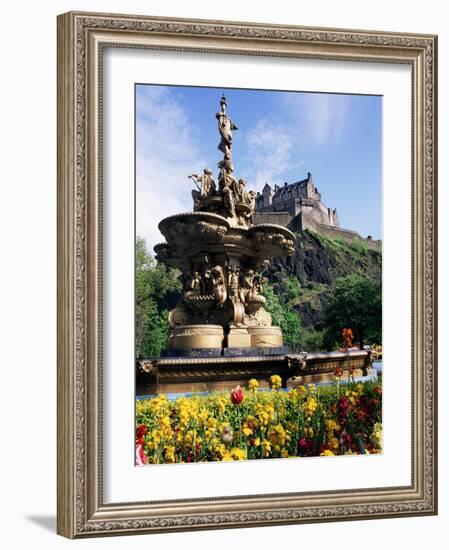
(221, 255)
(220, 333)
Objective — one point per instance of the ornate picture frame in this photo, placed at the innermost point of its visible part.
(82, 39)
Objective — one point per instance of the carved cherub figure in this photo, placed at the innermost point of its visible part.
(247, 285)
(196, 283)
(234, 283)
(218, 285)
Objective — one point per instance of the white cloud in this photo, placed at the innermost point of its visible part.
(278, 144)
(320, 118)
(270, 149)
(167, 150)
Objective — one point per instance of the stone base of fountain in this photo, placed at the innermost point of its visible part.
(171, 375)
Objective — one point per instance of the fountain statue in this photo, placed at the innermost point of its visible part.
(222, 256)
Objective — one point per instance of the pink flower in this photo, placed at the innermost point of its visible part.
(141, 457)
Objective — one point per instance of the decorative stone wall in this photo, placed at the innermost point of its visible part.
(278, 218)
(307, 222)
(304, 221)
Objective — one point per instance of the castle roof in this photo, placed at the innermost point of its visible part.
(266, 187)
(295, 185)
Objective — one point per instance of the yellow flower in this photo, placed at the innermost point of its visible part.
(352, 396)
(277, 435)
(293, 394)
(247, 431)
(221, 404)
(253, 384)
(310, 406)
(302, 390)
(376, 436)
(275, 381)
(264, 414)
(220, 450)
(170, 454)
(211, 423)
(308, 432)
(203, 416)
(284, 453)
(327, 453)
(235, 454)
(266, 447)
(331, 425)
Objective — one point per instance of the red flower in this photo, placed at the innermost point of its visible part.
(237, 395)
(141, 432)
(305, 447)
(343, 409)
(338, 372)
(346, 439)
(343, 404)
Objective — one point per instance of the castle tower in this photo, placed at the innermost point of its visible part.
(310, 187)
(267, 194)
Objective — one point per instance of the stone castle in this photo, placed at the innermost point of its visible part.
(298, 206)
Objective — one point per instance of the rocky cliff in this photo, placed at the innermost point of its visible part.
(306, 277)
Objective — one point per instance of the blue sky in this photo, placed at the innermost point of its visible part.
(281, 137)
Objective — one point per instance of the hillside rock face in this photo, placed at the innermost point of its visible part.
(316, 263)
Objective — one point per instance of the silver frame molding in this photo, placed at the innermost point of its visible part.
(81, 38)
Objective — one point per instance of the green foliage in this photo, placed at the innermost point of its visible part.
(292, 289)
(283, 315)
(155, 329)
(356, 303)
(359, 246)
(312, 340)
(356, 250)
(155, 283)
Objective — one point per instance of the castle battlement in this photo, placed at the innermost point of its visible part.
(301, 197)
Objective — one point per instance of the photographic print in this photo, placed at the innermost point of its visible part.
(258, 304)
(236, 203)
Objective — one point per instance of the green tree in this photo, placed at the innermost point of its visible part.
(356, 303)
(312, 340)
(283, 316)
(155, 284)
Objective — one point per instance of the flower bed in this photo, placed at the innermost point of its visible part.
(252, 424)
